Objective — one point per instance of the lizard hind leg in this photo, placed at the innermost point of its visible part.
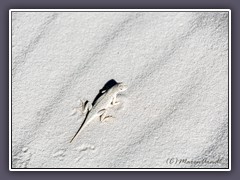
(103, 116)
(84, 107)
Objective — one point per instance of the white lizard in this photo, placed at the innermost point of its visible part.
(99, 108)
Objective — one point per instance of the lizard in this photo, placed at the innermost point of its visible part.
(99, 108)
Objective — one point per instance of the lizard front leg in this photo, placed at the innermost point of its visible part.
(114, 101)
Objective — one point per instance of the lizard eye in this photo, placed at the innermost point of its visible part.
(122, 87)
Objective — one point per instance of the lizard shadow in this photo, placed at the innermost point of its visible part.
(108, 85)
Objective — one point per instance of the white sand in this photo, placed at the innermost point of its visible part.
(176, 106)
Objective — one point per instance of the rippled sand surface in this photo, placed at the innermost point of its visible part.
(174, 111)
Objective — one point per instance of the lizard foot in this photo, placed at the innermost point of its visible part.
(82, 109)
(103, 119)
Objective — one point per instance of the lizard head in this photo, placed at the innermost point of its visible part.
(121, 86)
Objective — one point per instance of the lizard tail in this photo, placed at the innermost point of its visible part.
(74, 136)
(76, 133)
(80, 127)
